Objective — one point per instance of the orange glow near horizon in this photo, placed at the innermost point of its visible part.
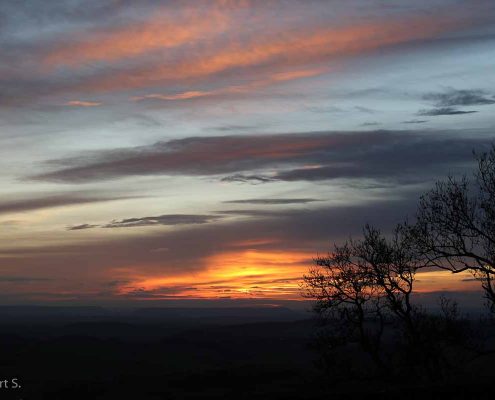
(433, 281)
(265, 275)
(245, 274)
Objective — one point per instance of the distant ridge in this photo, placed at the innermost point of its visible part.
(235, 314)
(262, 313)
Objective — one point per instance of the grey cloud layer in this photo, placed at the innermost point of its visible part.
(391, 155)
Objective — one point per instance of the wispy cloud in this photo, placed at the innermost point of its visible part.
(178, 96)
(163, 30)
(446, 102)
(370, 124)
(36, 202)
(453, 97)
(415, 121)
(279, 51)
(197, 49)
(242, 178)
(236, 89)
(81, 103)
(443, 111)
(234, 128)
(365, 110)
(81, 227)
(273, 201)
(258, 213)
(169, 219)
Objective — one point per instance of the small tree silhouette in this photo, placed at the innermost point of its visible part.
(344, 290)
(365, 283)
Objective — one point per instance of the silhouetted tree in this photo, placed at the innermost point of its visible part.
(366, 285)
(392, 265)
(455, 226)
(363, 283)
(344, 291)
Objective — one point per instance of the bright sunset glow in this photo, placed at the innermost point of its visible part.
(245, 274)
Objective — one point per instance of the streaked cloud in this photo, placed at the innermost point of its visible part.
(370, 123)
(169, 219)
(272, 201)
(198, 48)
(34, 202)
(453, 97)
(280, 51)
(257, 213)
(82, 103)
(81, 227)
(163, 30)
(237, 89)
(415, 121)
(253, 179)
(443, 111)
(447, 101)
(296, 156)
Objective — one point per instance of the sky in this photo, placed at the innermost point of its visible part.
(209, 150)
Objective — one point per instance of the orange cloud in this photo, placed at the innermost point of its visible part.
(80, 103)
(283, 50)
(178, 96)
(272, 79)
(162, 31)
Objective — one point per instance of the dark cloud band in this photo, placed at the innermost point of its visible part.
(392, 155)
(59, 200)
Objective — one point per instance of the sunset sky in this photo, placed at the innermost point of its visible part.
(170, 150)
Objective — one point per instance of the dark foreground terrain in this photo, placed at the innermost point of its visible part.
(93, 353)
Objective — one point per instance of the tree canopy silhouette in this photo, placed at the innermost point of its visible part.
(366, 285)
(455, 224)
